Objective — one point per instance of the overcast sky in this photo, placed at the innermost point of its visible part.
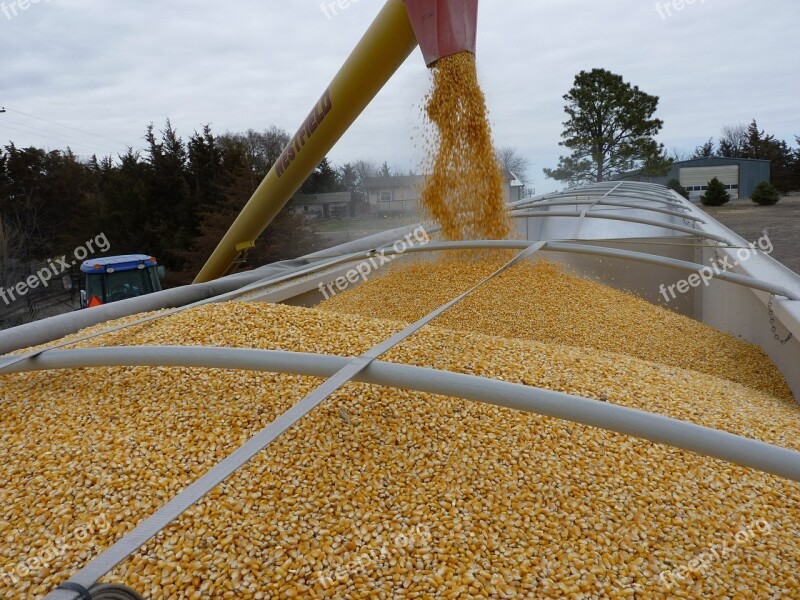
(109, 69)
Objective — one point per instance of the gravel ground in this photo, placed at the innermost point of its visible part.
(782, 223)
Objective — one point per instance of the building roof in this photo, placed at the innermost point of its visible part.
(515, 181)
(393, 181)
(692, 162)
(396, 181)
(718, 159)
(329, 198)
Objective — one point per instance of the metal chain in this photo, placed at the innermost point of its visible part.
(773, 326)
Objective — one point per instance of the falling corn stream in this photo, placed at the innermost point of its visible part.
(464, 192)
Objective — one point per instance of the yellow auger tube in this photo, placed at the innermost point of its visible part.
(386, 45)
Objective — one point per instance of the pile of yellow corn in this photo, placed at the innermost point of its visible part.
(542, 301)
(384, 493)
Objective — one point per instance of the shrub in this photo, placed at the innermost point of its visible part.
(715, 194)
(674, 184)
(766, 194)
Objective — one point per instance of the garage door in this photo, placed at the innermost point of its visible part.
(695, 179)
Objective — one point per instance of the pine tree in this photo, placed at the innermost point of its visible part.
(323, 180)
(674, 184)
(171, 217)
(766, 194)
(706, 150)
(715, 194)
(610, 130)
(204, 169)
(348, 177)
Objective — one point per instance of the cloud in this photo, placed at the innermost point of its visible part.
(110, 69)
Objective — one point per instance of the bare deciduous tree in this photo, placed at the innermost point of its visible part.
(263, 147)
(510, 159)
(364, 170)
(679, 155)
(733, 140)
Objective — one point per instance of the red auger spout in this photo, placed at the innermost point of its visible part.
(443, 27)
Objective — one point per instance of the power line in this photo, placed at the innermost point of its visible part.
(48, 137)
(19, 112)
(47, 133)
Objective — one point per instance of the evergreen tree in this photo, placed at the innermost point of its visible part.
(763, 146)
(71, 187)
(125, 189)
(674, 184)
(707, 150)
(766, 194)
(610, 131)
(171, 217)
(23, 205)
(794, 182)
(288, 236)
(204, 169)
(715, 195)
(175, 200)
(348, 177)
(323, 180)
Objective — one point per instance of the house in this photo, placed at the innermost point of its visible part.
(334, 205)
(401, 193)
(516, 187)
(394, 193)
(740, 176)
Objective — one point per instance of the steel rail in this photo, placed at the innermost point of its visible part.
(627, 219)
(631, 205)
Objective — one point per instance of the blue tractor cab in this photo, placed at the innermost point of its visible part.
(115, 278)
